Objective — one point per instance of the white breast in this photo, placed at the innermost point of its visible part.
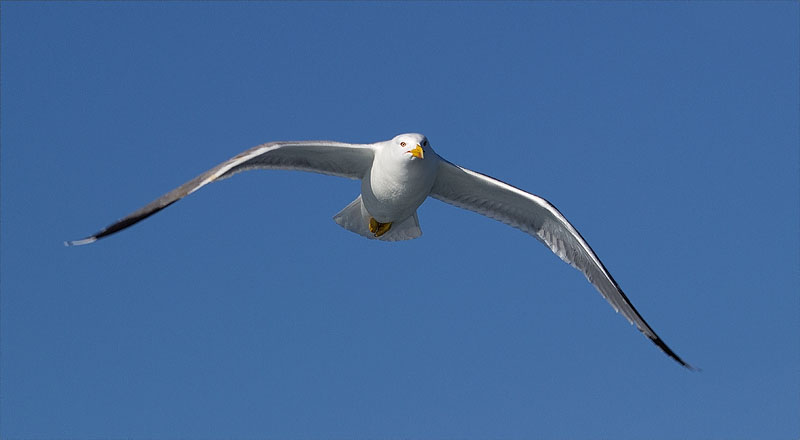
(396, 186)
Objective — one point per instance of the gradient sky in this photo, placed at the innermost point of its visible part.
(666, 132)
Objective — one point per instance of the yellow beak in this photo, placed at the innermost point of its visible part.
(417, 152)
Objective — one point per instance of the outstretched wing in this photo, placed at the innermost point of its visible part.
(536, 216)
(325, 157)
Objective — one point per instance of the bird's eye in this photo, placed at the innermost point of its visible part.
(402, 144)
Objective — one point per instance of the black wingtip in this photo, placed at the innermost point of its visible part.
(665, 348)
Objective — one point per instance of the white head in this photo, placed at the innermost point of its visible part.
(411, 146)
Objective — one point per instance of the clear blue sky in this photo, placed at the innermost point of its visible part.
(666, 132)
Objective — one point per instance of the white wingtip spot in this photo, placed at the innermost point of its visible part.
(80, 242)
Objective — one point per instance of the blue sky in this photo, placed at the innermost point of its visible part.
(666, 132)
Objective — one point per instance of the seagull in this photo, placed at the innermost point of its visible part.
(396, 177)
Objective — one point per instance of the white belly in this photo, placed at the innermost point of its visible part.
(392, 195)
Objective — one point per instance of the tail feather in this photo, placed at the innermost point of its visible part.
(355, 218)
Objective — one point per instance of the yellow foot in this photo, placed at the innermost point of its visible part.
(377, 228)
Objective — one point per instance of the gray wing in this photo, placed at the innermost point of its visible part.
(536, 216)
(325, 157)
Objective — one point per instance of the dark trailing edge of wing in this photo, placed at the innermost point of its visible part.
(326, 157)
(148, 210)
(652, 333)
(610, 290)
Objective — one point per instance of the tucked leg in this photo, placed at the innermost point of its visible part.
(377, 228)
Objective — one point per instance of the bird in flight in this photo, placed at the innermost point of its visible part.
(396, 177)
